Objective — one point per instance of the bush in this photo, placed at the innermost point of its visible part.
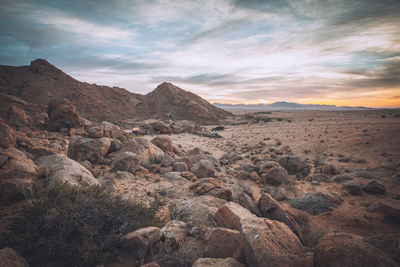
(75, 226)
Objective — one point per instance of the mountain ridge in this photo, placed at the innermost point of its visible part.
(283, 105)
(40, 82)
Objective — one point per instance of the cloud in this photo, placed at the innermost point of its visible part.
(230, 50)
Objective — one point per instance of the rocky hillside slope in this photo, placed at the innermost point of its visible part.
(41, 82)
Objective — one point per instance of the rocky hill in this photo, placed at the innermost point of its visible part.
(41, 82)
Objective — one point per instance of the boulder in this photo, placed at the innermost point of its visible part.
(180, 167)
(164, 143)
(342, 177)
(141, 242)
(203, 169)
(155, 127)
(266, 242)
(112, 131)
(281, 193)
(320, 177)
(17, 117)
(330, 169)
(247, 202)
(198, 210)
(342, 249)
(271, 209)
(375, 187)
(295, 165)
(10, 258)
(91, 149)
(276, 176)
(391, 209)
(211, 186)
(7, 135)
(174, 233)
(315, 202)
(15, 165)
(224, 243)
(41, 151)
(143, 148)
(208, 262)
(58, 168)
(62, 114)
(126, 161)
(352, 187)
(95, 132)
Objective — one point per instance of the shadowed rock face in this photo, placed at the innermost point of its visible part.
(40, 83)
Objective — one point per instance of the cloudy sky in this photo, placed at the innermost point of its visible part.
(232, 51)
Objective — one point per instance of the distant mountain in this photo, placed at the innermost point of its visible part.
(283, 106)
(41, 82)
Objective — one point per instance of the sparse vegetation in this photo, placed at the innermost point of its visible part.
(319, 150)
(74, 226)
(218, 128)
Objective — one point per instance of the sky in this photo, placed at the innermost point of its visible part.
(229, 51)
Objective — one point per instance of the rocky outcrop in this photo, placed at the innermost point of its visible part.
(91, 149)
(58, 168)
(342, 249)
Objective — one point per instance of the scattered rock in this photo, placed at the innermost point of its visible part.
(91, 149)
(15, 165)
(352, 187)
(375, 187)
(342, 249)
(58, 168)
(319, 177)
(10, 258)
(280, 194)
(315, 202)
(208, 262)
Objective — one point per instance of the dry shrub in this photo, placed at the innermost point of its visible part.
(74, 226)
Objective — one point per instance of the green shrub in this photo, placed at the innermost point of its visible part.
(219, 128)
(76, 226)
